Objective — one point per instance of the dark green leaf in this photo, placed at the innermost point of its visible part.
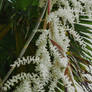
(1, 1)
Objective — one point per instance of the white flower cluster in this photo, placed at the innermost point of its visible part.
(24, 87)
(43, 37)
(25, 61)
(38, 85)
(26, 80)
(58, 33)
(53, 85)
(76, 6)
(16, 79)
(44, 67)
(58, 59)
(45, 63)
(77, 37)
(88, 76)
(42, 52)
(67, 83)
(66, 16)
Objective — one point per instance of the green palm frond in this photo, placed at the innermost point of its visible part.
(84, 29)
(81, 56)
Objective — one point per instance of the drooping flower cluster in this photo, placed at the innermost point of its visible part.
(25, 61)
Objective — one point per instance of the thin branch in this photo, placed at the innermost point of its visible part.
(26, 44)
(1, 4)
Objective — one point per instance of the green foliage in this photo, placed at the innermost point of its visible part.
(24, 4)
(1, 1)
